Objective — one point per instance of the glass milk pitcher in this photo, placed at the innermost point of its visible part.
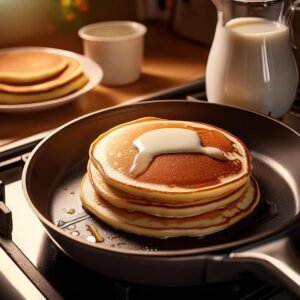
(251, 62)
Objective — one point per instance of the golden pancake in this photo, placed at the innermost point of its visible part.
(70, 87)
(164, 178)
(28, 67)
(72, 71)
(125, 201)
(221, 167)
(158, 227)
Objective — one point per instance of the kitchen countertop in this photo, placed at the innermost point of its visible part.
(170, 60)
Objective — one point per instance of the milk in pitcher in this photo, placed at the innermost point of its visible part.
(251, 65)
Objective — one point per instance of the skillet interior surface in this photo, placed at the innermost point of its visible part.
(52, 177)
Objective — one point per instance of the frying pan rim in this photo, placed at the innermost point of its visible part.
(164, 253)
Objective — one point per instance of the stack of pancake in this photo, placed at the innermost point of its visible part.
(31, 76)
(163, 178)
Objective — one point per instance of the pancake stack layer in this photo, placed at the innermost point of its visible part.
(162, 178)
(32, 76)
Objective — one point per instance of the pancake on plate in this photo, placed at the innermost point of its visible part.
(53, 81)
(163, 178)
(73, 70)
(28, 67)
(60, 91)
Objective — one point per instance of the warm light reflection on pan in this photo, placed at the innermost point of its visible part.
(25, 220)
(17, 284)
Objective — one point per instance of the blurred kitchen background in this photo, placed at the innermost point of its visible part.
(22, 20)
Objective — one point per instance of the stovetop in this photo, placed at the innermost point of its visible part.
(32, 266)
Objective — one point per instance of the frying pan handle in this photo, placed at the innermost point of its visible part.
(278, 259)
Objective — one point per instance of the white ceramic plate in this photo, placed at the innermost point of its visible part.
(91, 69)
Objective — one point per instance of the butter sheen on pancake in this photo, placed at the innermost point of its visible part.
(171, 177)
(164, 178)
(28, 67)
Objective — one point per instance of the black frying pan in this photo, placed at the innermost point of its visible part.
(53, 172)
